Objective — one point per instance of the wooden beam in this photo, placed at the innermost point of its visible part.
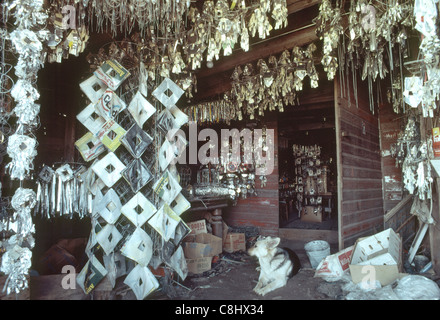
(434, 230)
(397, 208)
(298, 5)
(305, 235)
(218, 85)
(301, 37)
(312, 126)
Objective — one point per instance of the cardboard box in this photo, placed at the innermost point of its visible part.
(197, 227)
(234, 242)
(202, 245)
(378, 257)
(311, 214)
(198, 265)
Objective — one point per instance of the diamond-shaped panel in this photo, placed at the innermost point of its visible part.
(138, 209)
(168, 93)
(136, 141)
(109, 169)
(137, 174)
(140, 109)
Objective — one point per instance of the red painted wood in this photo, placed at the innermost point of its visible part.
(361, 175)
(261, 211)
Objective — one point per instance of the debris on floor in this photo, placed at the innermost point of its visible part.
(409, 287)
(233, 275)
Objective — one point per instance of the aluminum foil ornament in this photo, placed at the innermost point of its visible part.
(22, 150)
(426, 16)
(122, 209)
(29, 20)
(16, 263)
(62, 191)
(372, 42)
(413, 155)
(23, 201)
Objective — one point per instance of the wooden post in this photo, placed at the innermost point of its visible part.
(434, 229)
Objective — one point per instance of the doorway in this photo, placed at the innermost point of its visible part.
(307, 184)
(308, 190)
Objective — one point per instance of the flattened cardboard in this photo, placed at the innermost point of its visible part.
(89, 146)
(93, 88)
(109, 105)
(167, 187)
(111, 134)
(91, 119)
(162, 93)
(165, 222)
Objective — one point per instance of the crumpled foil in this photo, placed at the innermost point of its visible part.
(26, 109)
(203, 191)
(23, 201)
(27, 13)
(22, 150)
(16, 263)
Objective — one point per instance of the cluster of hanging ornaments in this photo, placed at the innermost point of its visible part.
(26, 39)
(132, 184)
(274, 84)
(373, 41)
(423, 87)
(154, 63)
(270, 85)
(220, 27)
(421, 94)
(189, 33)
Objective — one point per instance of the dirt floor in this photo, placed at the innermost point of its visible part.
(234, 276)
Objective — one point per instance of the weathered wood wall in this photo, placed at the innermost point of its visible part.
(261, 211)
(390, 126)
(359, 166)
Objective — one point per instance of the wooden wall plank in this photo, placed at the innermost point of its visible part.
(361, 173)
(359, 168)
(261, 211)
(434, 230)
(361, 205)
(306, 235)
(390, 127)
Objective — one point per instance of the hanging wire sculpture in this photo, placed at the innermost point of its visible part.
(26, 41)
(368, 36)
